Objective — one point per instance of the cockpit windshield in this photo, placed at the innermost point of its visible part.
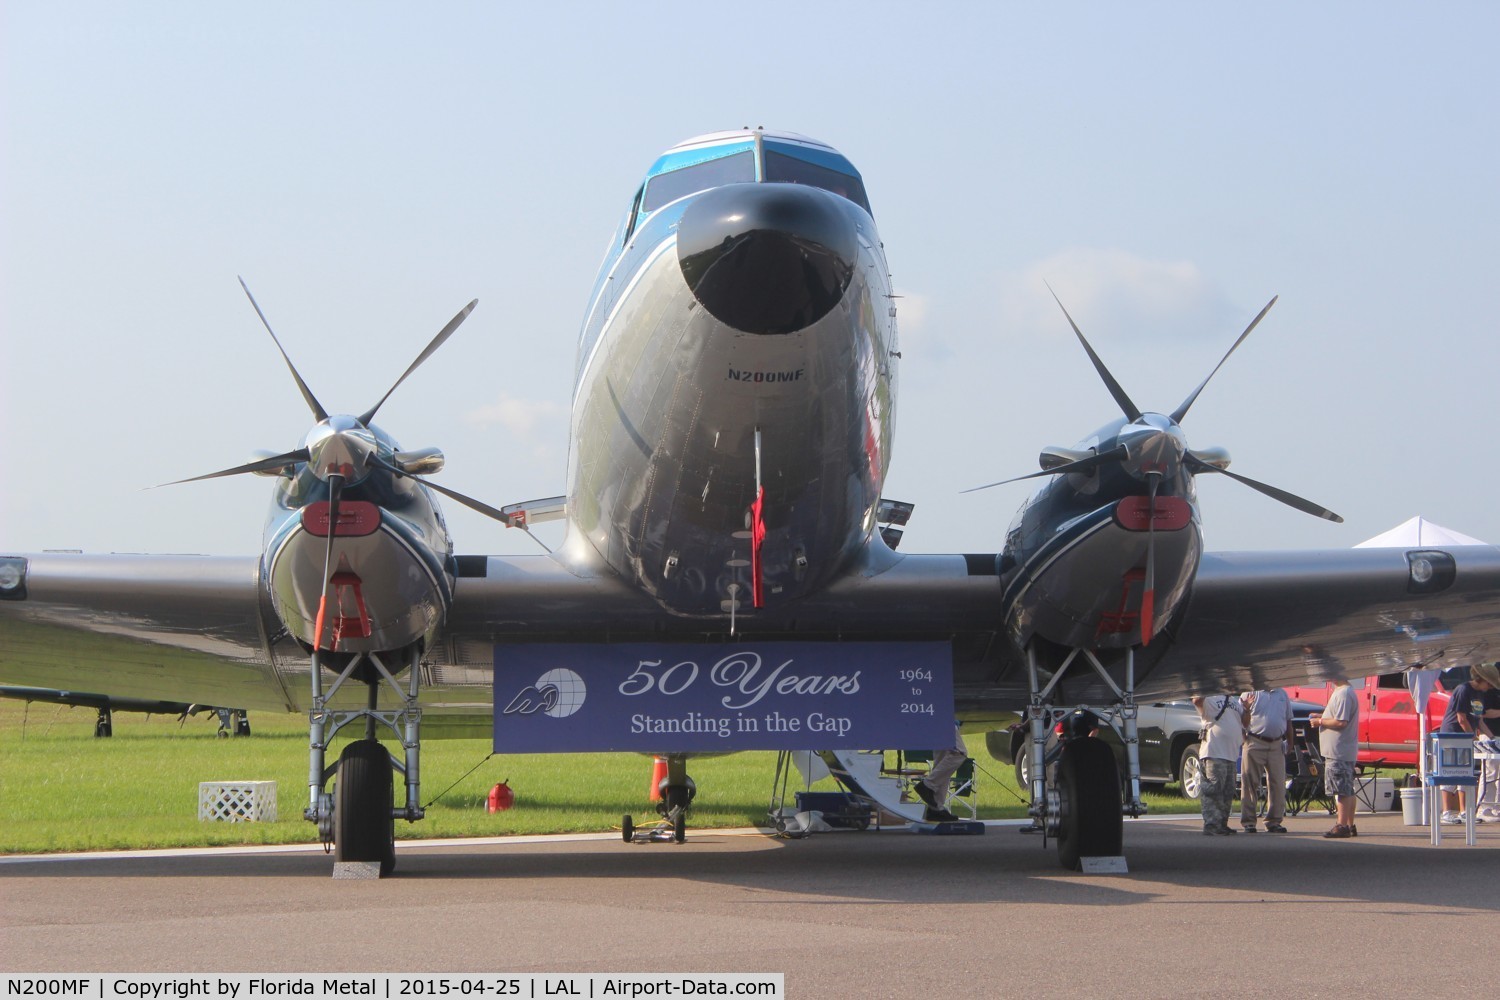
(736, 158)
(668, 187)
(790, 169)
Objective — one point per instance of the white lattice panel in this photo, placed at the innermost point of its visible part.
(237, 801)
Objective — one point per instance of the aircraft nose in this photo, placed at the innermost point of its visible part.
(767, 258)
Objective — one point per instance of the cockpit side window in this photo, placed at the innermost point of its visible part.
(791, 170)
(668, 187)
(634, 216)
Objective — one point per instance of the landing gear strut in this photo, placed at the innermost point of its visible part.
(1085, 810)
(358, 818)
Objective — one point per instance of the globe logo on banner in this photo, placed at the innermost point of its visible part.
(558, 693)
(570, 691)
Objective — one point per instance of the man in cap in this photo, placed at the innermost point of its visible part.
(1467, 710)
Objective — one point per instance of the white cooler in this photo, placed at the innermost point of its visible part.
(1375, 795)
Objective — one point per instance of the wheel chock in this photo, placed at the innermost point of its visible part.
(356, 869)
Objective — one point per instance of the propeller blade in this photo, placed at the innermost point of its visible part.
(437, 342)
(1131, 411)
(1290, 499)
(469, 502)
(1148, 591)
(1181, 411)
(1113, 455)
(312, 401)
(335, 490)
(260, 465)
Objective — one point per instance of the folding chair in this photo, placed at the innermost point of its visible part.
(1304, 784)
(961, 788)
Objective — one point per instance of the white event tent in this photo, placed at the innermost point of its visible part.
(1416, 533)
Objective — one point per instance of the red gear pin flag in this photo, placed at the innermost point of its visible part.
(757, 535)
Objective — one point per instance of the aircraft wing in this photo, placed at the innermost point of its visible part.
(1291, 617)
(1288, 617)
(200, 629)
(176, 628)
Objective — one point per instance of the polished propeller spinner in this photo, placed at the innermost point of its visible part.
(341, 449)
(1152, 446)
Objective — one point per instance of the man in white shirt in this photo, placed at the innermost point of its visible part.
(1266, 733)
(1224, 717)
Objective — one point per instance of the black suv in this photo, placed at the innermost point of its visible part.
(1168, 744)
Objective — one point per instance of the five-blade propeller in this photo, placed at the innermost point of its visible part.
(342, 449)
(1154, 448)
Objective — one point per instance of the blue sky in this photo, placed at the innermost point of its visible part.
(369, 168)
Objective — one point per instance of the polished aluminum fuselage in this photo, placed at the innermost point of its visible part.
(667, 407)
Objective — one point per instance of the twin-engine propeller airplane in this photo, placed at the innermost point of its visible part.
(722, 584)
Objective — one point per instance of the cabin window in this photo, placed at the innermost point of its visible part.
(664, 188)
(790, 170)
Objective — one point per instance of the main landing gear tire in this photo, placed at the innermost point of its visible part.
(364, 827)
(627, 828)
(1090, 821)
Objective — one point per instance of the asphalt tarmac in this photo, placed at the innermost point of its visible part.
(873, 914)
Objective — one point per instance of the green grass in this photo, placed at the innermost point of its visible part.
(63, 790)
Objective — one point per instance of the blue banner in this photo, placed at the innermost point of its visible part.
(700, 698)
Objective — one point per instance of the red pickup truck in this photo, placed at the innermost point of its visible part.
(1387, 717)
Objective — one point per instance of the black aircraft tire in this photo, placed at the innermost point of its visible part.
(679, 828)
(627, 828)
(364, 828)
(1088, 784)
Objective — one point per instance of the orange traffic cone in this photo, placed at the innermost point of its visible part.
(658, 775)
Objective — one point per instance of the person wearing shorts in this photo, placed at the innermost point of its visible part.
(1338, 741)
(1466, 713)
